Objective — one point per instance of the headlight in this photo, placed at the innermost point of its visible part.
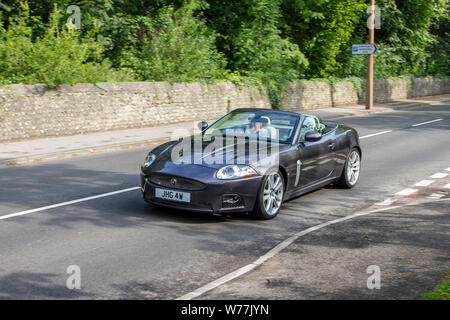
(148, 160)
(235, 172)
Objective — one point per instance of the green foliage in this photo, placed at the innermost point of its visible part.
(405, 40)
(174, 46)
(439, 52)
(405, 36)
(261, 53)
(60, 56)
(322, 29)
(262, 43)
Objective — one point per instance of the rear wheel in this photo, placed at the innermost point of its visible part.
(270, 196)
(352, 170)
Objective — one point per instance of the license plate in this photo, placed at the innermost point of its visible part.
(172, 195)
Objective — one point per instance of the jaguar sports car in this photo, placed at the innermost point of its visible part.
(251, 160)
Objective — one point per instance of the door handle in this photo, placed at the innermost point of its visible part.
(331, 145)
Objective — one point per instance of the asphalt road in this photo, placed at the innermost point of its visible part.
(126, 248)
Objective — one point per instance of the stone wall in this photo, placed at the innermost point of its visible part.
(307, 95)
(28, 111)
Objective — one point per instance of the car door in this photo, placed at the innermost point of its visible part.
(317, 160)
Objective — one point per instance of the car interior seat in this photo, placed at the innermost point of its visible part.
(312, 123)
(272, 131)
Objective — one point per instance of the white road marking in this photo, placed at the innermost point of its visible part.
(435, 196)
(421, 124)
(424, 183)
(448, 169)
(406, 192)
(375, 134)
(388, 131)
(447, 186)
(62, 204)
(439, 175)
(271, 253)
(386, 202)
(241, 271)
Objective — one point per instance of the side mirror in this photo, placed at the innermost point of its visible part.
(203, 125)
(312, 136)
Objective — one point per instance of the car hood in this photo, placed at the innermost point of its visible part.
(216, 153)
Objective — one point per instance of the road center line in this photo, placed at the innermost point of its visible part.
(62, 204)
(375, 134)
(389, 131)
(427, 122)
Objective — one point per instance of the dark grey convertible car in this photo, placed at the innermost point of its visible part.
(251, 160)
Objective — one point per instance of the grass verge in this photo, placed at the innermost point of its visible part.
(441, 291)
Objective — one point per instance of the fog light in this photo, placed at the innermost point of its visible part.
(231, 201)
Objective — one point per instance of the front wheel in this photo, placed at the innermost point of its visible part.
(352, 170)
(270, 196)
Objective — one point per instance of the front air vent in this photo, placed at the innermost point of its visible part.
(230, 201)
(175, 182)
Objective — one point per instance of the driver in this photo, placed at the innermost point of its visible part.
(257, 126)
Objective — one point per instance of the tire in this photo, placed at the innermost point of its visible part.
(351, 171)
(270, 196)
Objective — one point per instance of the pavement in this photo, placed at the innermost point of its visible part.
(41, 149)
(87, 211)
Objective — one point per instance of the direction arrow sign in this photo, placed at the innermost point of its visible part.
(364, 49)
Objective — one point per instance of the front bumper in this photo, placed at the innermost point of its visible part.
(211, 198)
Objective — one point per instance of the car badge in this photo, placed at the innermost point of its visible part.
(173, 181)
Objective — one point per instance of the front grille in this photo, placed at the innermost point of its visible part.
(169, 181)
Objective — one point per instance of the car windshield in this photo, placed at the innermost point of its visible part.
(273, 126)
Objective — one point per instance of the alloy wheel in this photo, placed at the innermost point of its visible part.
(353, 167)
(273, 193)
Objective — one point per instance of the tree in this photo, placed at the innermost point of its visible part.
(59, 56)
(175, 45)
(405, 39)
(321, 29)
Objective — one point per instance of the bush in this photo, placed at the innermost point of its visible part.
(174, 46)
(60, 56)
(261, 53)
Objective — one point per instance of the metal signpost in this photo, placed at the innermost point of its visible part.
(369, 49)
(369, 92)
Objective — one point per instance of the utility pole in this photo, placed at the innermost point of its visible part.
(369, 86)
